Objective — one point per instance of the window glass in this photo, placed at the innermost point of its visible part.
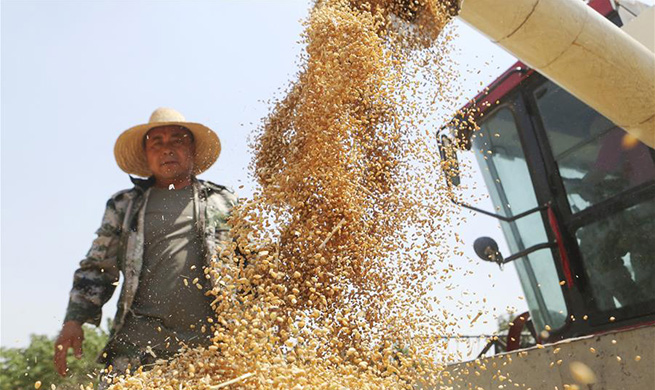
(596, 159)
(618, 253)
(500, 154)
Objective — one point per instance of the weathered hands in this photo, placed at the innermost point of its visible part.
(71, 336)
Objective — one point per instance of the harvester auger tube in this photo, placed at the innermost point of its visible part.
(577, 48)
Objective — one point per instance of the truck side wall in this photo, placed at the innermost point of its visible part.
(620, 360)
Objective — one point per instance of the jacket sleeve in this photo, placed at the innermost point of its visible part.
(96, 279)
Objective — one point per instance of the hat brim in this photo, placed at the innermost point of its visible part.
(131, 157)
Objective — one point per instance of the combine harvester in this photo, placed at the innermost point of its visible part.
(565, 139)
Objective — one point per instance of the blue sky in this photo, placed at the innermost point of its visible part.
(75, 74)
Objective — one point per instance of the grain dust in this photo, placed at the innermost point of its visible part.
(327, 283)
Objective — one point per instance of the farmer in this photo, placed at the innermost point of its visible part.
(159, 235)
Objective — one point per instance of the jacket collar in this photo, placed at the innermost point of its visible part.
(142, 184)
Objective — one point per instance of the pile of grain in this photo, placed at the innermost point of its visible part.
(327, 283)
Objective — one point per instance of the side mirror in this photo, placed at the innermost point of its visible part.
(487, 249)
(449, 162)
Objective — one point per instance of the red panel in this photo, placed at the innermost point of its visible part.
(512, 81)
(500, 87)
(604, 7)
(514, 332)
(566, 265)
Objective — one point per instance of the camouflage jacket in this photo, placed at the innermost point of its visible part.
(118, 248)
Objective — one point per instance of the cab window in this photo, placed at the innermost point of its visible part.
(598, 162)
(499, 152)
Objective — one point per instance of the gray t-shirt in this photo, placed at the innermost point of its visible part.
(170, 305)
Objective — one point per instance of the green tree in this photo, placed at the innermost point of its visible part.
(20, 368)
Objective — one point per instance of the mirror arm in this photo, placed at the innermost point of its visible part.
(529, 250)
(497, 216)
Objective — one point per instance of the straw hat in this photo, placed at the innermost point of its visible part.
(131, 157)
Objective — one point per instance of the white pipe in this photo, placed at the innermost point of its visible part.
(578, 49)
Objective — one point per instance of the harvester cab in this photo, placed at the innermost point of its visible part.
(575, 197)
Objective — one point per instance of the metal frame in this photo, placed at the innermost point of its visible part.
(498, 216)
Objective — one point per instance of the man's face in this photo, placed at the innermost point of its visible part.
(170, 152)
